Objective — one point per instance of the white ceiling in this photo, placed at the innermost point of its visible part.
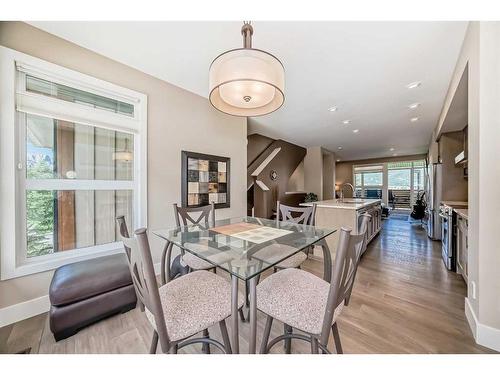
(360, 67)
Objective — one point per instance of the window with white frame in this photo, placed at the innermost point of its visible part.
(74, 152)
(368, 181)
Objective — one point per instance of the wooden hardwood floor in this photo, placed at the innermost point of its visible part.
(404, 301)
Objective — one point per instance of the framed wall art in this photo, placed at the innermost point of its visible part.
(205, 179)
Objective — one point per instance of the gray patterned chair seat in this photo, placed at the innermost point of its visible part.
(268, 253)
(194, 302)
(297, 298)
(195, 263)
(294, 261)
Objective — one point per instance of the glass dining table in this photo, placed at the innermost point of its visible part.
(244, 247)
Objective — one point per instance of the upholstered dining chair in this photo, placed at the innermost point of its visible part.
(195, 215)
(306, 302)
(297, 215)
(185, 306)
(363, 223)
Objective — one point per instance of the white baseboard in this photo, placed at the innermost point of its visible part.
(483, 334)
(27, 309)
(24, 310)
(471, 318)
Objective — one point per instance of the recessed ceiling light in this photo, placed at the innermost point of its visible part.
(414, 119)
(391, 149)
(394, 154)
(338, 159)
(414, 105)
(413, 85)
(346, 122)
(355, 131)
(340, 147)
(332, 109)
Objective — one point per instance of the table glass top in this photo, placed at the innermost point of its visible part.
(244, 246)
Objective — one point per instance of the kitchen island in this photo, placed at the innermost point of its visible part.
(336, 213)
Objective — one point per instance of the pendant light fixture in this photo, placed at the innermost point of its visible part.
(246, 81)
(124, 155)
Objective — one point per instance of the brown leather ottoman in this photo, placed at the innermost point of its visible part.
(85, 292)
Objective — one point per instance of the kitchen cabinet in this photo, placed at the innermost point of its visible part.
(336, 213)
(376, 220)
(462, 246)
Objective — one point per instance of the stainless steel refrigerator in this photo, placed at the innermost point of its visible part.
(433, 195)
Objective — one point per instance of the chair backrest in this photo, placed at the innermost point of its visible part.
(349, 250)
(144, 279)
(362, 229)
(303, 215)
(122, 226)
(185, 214)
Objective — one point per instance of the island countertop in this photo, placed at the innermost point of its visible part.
(347, 204)
(462, 212)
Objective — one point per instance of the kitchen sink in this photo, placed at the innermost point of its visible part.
(352, 200)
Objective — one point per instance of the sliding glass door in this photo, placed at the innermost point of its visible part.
(397, 183)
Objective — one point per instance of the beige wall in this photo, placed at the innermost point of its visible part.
(319, 172)
(480, 54)
(313, 171)
(328, 174)
(177, 120)
(343, 170)
(296, 181)
(489, 176)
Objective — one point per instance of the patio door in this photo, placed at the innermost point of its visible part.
(398, 184)
(405, 181)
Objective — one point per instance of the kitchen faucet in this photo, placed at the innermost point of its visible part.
(342, 190)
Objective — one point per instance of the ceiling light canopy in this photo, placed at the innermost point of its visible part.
(413, 85)
(246, 81)
(340, 147)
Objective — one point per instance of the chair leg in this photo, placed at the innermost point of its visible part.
(225, 337)
(206, 346)
(242, 315)
(154, 343)
(314, 345)
(288, 342)
(265, 337)
(247, 300)
(336, 339)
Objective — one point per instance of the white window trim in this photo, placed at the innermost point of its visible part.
(10, 158)
(385, 178)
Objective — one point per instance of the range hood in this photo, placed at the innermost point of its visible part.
(461, 158)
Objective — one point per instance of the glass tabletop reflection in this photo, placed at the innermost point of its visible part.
(244, 246)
